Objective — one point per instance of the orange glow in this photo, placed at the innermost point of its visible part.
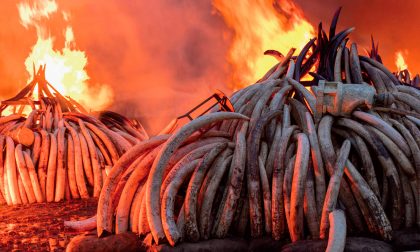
(260, 25)
(65, 68)
(400, 61)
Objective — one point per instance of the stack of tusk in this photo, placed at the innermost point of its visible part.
(52, 155)
(271, 166)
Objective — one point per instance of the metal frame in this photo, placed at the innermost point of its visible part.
(221, 99)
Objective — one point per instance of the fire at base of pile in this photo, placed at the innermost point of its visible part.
(58, 151)
(289, 163)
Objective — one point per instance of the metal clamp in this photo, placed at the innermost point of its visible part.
(340, 99)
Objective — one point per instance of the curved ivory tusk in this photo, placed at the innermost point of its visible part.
(10, 166)
(347, 64)
(82, 225)
(167, 211)
(235, 185)
(356, 72)
(399, 156)
(408, 99)
(155, 177)
(291, 69)
(78, 163)
(409, 90)
(309, 97)
(34, 178)
(208, 191)
(328, 154)
(318, 164)
(333, 188)
(24, 174)
(105, 207)
(60, 184)
(190, 202)
(298, 187)
(279, 165)
(97, 178)
(338, 231)
(414, 120)
(385, 128)
(337, 64)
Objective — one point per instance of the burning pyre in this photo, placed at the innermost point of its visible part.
(289, 163)
(52, 148)
(58, 151)
(324, 145)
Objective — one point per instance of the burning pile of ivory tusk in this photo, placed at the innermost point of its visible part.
(58, 151)
(288, 163)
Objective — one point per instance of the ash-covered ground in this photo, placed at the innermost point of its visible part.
(40, 227)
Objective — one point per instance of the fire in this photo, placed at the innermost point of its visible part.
(260, 25)
(65, 68)
(400, 61)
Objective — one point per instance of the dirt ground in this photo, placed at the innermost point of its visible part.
(39, 227)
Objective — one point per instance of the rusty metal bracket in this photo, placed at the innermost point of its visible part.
(221, 99)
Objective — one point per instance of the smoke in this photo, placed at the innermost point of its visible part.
(393, 23)
(14, 48)
(161, 58)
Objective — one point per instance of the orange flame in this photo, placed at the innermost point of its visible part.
(260, 25)
(65, 68)
(400, 61)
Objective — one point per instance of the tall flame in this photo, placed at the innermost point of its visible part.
(400, 61)
(65, 68)
(260, 25)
